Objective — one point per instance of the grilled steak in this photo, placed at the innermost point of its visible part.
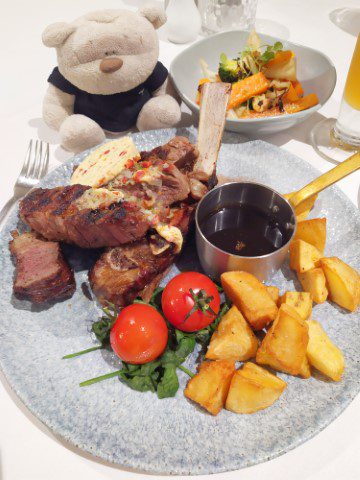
(42, 273)
(58, 214)
(178, 151)
(132, 203)
(123, 273)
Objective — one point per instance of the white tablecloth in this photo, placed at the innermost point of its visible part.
(28, 450)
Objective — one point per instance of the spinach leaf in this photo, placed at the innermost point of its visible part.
(139, 382)
(169, 383)
(102, 329)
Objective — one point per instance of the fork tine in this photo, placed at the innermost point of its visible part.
(33, 160)
(26, 163)
(39, 160)
(44, 162)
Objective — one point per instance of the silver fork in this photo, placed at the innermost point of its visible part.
(34, 168)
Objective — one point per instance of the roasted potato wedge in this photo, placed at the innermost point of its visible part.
(300, 301)
(251, 297)
(252, 389)
(302, 211)
(284, 345)
(314, 282)
(210, 386)
(233, 339)
(313, 232)
(305, 370)
(323, 354)
(303, 256)
(343, 283)
(274, 293)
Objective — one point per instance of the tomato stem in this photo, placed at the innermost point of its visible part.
(201, 302)
(188, 372)
(82, 352)
(100, 379)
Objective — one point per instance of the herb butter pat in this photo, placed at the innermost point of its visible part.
(105, 163)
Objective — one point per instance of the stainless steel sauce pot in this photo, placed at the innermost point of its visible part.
(216, 261)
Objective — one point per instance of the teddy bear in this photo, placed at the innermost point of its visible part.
(108, 77)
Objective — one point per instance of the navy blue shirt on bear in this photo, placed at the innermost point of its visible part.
(117, 112)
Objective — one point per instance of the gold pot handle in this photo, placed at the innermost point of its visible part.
(348, 166)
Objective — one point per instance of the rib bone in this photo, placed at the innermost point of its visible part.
(214, 100)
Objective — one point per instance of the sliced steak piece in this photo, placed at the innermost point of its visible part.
(42, 274)
(58, 214)
(178, 151)
(123, 273)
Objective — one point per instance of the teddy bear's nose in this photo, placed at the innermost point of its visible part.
(110, 64)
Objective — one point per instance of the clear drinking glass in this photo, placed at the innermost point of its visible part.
(220, 15)
(333, 138)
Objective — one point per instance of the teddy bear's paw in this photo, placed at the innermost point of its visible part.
(159, 112)
(78, 133)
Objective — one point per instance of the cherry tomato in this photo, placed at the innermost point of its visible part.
(190, 301)
(139, 334)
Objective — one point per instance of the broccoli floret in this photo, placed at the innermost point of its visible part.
(228, 69)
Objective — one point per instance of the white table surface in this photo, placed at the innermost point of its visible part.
(28, 451)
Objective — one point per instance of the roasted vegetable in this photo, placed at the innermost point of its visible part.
(291, 95)
(210, 386)
(314, 282)
(260, 103)
(228, 69)
(343, 283)
(283, 65)
(198, 94)
(285, 343)
(233, 339)
(322, 353)
(298, 88)
(243, 90)
(252, 389)
(302, 104)
(251, 297)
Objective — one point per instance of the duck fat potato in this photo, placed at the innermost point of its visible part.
(251, 297)
(233, 339)
(284, 345)
(210, 386)
(343, 283)
(314, 282)
(252, 389)
(312, 231)
(322, 353)
(303, 256)
(274, 293)
(300, 301)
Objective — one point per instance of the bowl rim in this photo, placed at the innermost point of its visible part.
(193, 106)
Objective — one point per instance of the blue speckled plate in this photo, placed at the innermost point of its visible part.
(172, 436)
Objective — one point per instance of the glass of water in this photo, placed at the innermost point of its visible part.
(220, 15)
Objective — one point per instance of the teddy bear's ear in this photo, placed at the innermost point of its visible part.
(55, 34)
(154, 13)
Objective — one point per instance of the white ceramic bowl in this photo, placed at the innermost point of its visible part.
(315, 71)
